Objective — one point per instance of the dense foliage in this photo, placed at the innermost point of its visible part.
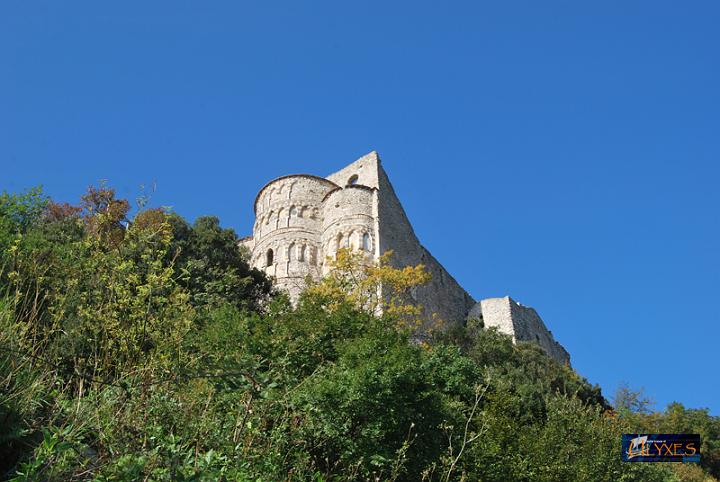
(148, 349)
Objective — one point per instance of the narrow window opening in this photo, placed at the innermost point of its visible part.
(269, 258)
(366, 241)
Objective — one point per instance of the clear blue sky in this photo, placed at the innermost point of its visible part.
(565, 153)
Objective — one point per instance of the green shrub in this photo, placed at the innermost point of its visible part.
(147, 348)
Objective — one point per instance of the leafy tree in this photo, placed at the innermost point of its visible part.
(147, 348)
(373, 413)
(214, 269)
(676, 419)
(628, 401)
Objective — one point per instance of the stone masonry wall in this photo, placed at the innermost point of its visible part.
(288, 227)
(349, 221)
(522, 323)
(442, 298)
(301, 220)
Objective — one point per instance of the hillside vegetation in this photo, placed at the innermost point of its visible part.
(148, 349)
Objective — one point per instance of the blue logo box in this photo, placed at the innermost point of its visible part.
(660, 447)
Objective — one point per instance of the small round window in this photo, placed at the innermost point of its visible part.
(353, 180)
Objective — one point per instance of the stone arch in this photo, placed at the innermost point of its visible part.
(291, 252)
(264, 224)
(269, 222)
(290, 190)
(312, 255)
(365, 242)
(279, 218)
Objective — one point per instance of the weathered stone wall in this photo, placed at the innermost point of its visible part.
(349, 220)
(302, 219)
(530, 327)
(287, 231)
(443, 299)
(363, 172)
(522, 323)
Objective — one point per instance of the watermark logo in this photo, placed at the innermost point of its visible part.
(660, 447)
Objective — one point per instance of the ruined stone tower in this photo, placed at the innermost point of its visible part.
(300, 220)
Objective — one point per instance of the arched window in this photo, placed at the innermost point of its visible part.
(353, 180)
(269, 257)
(313, 255)
(301, 253)
(291, 253)
(366, 241)
(293, 211)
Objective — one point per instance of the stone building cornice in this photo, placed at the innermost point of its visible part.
(349, 186)
(305, 176)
